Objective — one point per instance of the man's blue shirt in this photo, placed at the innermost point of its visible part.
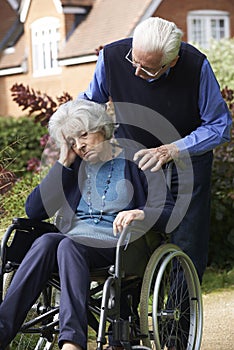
(215, 116)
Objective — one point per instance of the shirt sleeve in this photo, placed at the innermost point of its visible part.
(97, 90)
(215, 115)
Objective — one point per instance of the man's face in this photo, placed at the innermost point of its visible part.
(147, 62)
(149, 65)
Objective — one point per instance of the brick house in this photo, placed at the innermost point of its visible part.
(50, 45)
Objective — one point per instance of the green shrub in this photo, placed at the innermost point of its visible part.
(21, 137)
(216, 279)
(13, 201)
(222, 205)
(221, 57)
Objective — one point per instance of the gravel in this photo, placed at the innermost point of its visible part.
(218, 331)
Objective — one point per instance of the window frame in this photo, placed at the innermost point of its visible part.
(206, 17)
(45, 39)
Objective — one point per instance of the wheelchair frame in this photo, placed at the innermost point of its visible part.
(169, 282)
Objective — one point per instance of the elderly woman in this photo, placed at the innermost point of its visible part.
(95, 190)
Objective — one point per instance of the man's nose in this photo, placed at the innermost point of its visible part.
(138, 71)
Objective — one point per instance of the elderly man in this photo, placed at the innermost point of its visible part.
(167, 99)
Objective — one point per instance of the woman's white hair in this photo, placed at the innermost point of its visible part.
(158, 35)
(75, 116)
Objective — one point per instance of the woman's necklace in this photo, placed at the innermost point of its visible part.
(96, 220)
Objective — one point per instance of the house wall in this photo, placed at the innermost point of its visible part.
(74, 79)
(176, 11)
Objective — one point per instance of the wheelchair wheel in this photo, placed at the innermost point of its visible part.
(171, 302)
(34, 333)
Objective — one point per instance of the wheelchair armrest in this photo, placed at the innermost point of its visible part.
(19, 237)
(33, 224)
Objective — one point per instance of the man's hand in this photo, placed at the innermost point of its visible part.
(154, 158)
(124, 218)
(67, 155)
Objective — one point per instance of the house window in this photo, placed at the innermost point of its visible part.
(45, 43)
(205, 25)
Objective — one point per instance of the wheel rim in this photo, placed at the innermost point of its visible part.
(167, 317)
(174, 313)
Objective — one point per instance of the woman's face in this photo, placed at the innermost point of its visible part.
(90, 146)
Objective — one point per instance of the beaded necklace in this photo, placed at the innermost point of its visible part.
(106, 187)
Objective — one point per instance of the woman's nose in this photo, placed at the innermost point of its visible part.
(79, 144)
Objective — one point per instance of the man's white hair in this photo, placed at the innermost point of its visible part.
(158, 35)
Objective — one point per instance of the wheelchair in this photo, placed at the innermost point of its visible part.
(169, 315)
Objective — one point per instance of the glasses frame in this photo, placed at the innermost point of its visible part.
(137, 65)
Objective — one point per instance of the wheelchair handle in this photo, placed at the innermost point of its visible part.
(122, 243)
(119, 250)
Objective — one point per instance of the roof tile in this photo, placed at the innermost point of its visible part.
(14, 59)
(107, 21)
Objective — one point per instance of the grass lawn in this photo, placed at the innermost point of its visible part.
(214, 280)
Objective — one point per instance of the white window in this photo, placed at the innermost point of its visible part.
(205, 25)
(45, 43)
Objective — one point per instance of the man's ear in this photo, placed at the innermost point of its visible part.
(173, 62)
(103, 131)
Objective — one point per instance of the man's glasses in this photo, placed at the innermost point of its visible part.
(137, 65)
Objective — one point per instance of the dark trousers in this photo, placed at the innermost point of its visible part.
(192, 234)
(50, 253)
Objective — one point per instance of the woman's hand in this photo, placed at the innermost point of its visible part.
(124, 218)
(67, 154)
(154, 158)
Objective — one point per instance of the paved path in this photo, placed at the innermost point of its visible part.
(218, 330)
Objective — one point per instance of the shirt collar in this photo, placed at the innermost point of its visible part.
(164, 74)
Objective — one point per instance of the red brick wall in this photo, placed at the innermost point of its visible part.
(176, 11)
